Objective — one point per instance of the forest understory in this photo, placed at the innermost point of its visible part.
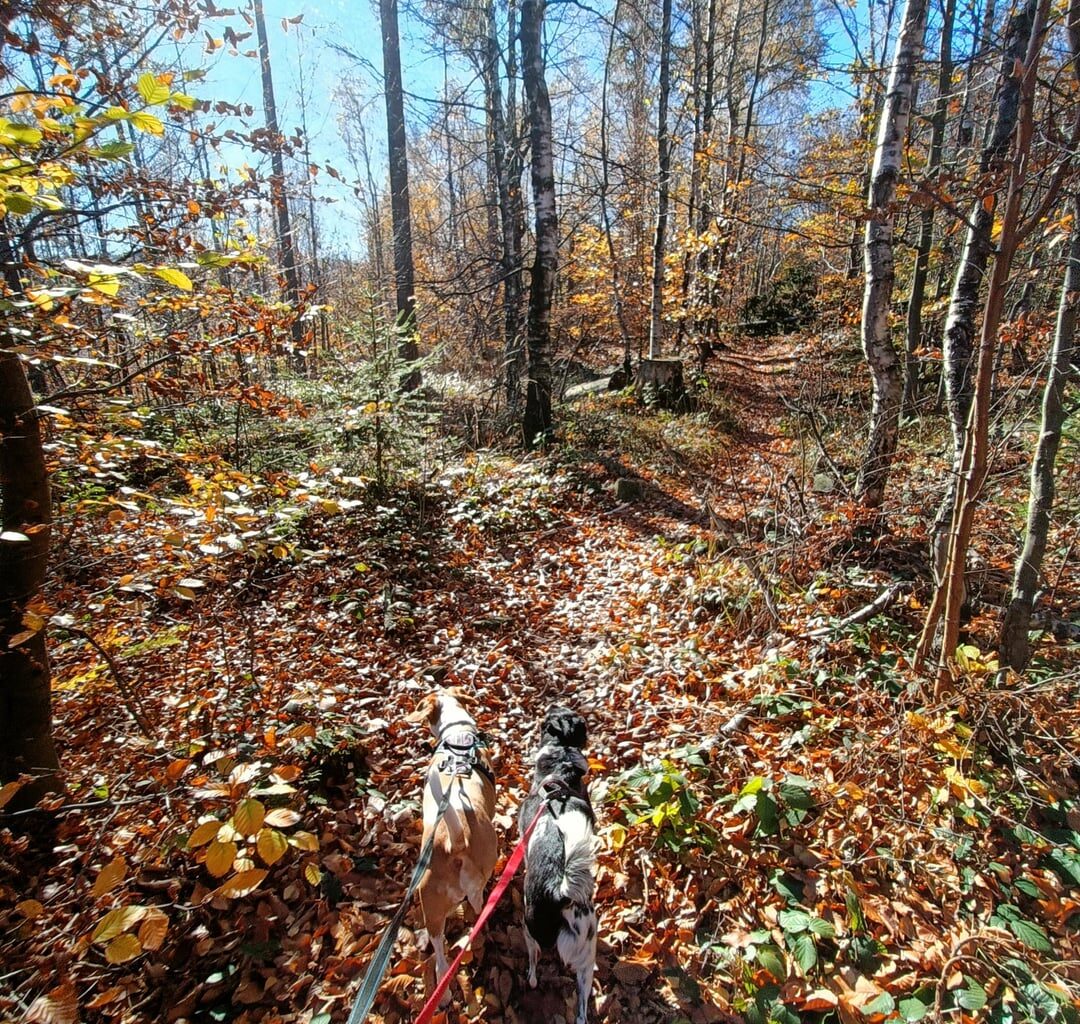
(791, 829)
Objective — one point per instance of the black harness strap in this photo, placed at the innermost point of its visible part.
(460, 752)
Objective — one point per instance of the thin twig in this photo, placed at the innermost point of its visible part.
(126, 695)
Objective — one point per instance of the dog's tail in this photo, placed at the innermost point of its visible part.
(577, 873)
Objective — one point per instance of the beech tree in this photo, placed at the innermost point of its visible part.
(537, 421)
(400, 212)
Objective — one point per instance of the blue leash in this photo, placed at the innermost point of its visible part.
(381, 960)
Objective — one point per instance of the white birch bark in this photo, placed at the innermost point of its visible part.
(881, 356)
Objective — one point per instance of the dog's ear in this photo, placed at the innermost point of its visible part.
(564, 727)
(425, 711)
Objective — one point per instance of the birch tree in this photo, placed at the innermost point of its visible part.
(878, 348)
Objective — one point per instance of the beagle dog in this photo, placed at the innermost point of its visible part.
(465, 844)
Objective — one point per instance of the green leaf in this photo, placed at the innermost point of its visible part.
(184, 101)
(151, 90)
(796, 795)
(787, 885)
(115, 150)
(884, 1003)
(772, 959)
(1031, 935)
(794, 921)
(972, 997)
(148, 123)
(913, 1009)
(177, 278)
(822, 929)
(17, 203)
(22, 134)
(804, 953)
(753, 786)
(768, 823)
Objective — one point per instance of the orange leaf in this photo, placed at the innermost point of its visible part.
(249, 816)
(203, 834)
(30, 909)
(152, 930)
(106, 997)
(58, 1006)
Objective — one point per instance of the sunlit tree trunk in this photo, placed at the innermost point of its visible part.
(960, 326)
(278, 198)
(880, 269)
(404, 280)
(949, 594)
(537, 421)
(663, 166)
(1014, 643)
(926, 220)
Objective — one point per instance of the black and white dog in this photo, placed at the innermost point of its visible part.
(559, 859)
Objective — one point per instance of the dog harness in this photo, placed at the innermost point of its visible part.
(458, 752)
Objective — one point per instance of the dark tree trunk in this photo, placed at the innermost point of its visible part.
(538, 422)
(26, 744)
(278, 198)
(405, 286)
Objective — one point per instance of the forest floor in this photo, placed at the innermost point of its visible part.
(790, 831)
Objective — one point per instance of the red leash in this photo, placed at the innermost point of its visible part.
(508, 872)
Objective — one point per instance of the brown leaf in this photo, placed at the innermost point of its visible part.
(58, 1006)
(110, 877)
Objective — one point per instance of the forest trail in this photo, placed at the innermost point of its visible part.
(240, 861)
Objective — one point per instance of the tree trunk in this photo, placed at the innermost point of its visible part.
(26, 744)
(508, 197)
(958, 343)
(1015, 647)
(1014, 643)
(278, 198)
(949, 594)
(926, 220)
(663, 164)
(404, 280)
(605, 208)
(880, 270)
(537, 421)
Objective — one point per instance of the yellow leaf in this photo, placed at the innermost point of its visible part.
(151, 90)
(116, 922)
(203, 834)
(220, 857)
(104, 284)
(304, 841)
(152, 930)
(243, 883)
(147, 123)
(111, 876)
(177, 278)
(9, 790)
(282, 817)
(248, 818)
(312, 873)
(122, 949)
(271, 845)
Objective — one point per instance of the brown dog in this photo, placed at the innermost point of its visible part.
(466, 847)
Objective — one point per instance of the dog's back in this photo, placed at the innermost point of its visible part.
(559, 859)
